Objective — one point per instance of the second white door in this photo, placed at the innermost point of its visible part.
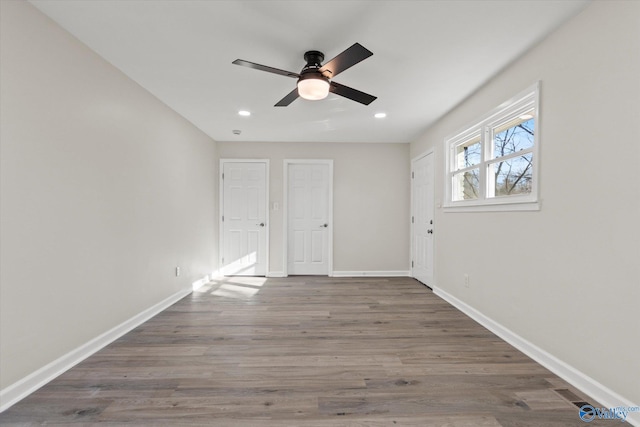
(308, 218)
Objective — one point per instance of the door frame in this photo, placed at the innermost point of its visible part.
(431, 152)
(221, 210)
(285, 212)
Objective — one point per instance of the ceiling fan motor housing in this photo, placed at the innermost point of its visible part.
(312, 73)
(313, 57)
(314, 60)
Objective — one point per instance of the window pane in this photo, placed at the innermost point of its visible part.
(466, 185)
(513, 136)
(468, 154)
(513, 176)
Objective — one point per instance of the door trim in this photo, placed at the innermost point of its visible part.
(285, 211)
(431, 151)
(221, 210)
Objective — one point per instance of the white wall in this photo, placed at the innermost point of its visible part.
(566, 278)
(104, 191)
(371, 200)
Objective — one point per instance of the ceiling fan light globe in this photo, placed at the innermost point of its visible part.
(313, 88)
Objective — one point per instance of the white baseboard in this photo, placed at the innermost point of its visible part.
(384, 273)
(27, 385)
(216, 274)
(201, 282)
(276, 274)
(353, 274)
(602, 394)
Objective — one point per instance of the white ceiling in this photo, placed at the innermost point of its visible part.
(428, 57)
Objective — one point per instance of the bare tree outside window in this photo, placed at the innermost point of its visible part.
(515, 174)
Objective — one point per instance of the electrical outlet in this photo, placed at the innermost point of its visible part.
(466, 280)
(177, 271)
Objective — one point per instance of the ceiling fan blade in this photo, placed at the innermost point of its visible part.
(265, 68)
(344, 60)
(292, 96)
(352, 94)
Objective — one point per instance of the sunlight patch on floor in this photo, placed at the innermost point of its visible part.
(238, 287)
(235, 291)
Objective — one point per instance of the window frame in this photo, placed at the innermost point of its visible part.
(525, 101)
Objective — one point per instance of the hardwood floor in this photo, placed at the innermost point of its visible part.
(306, 351)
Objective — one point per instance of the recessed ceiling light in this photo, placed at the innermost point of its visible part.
(380, 115)
(244, 113)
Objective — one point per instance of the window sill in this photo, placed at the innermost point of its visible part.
(494, 207)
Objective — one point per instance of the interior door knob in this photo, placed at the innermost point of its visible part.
(325, 225)
(261, 224)
(430, 231)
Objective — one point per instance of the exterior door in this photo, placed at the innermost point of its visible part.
(422, 219)
(244, 218)
(308, 218)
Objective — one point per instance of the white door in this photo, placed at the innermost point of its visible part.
(422, 219)
(244, 218)
(308, 218)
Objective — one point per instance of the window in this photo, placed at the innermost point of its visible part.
(493, 164)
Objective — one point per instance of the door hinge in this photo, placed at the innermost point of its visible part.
(412, 175)
(222, 261)
(411, 264)
(411, 220)
(223, 176)
(222, 218)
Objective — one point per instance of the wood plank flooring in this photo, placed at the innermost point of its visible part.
(306, 351)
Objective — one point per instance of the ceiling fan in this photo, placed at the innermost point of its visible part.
(315, 80)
